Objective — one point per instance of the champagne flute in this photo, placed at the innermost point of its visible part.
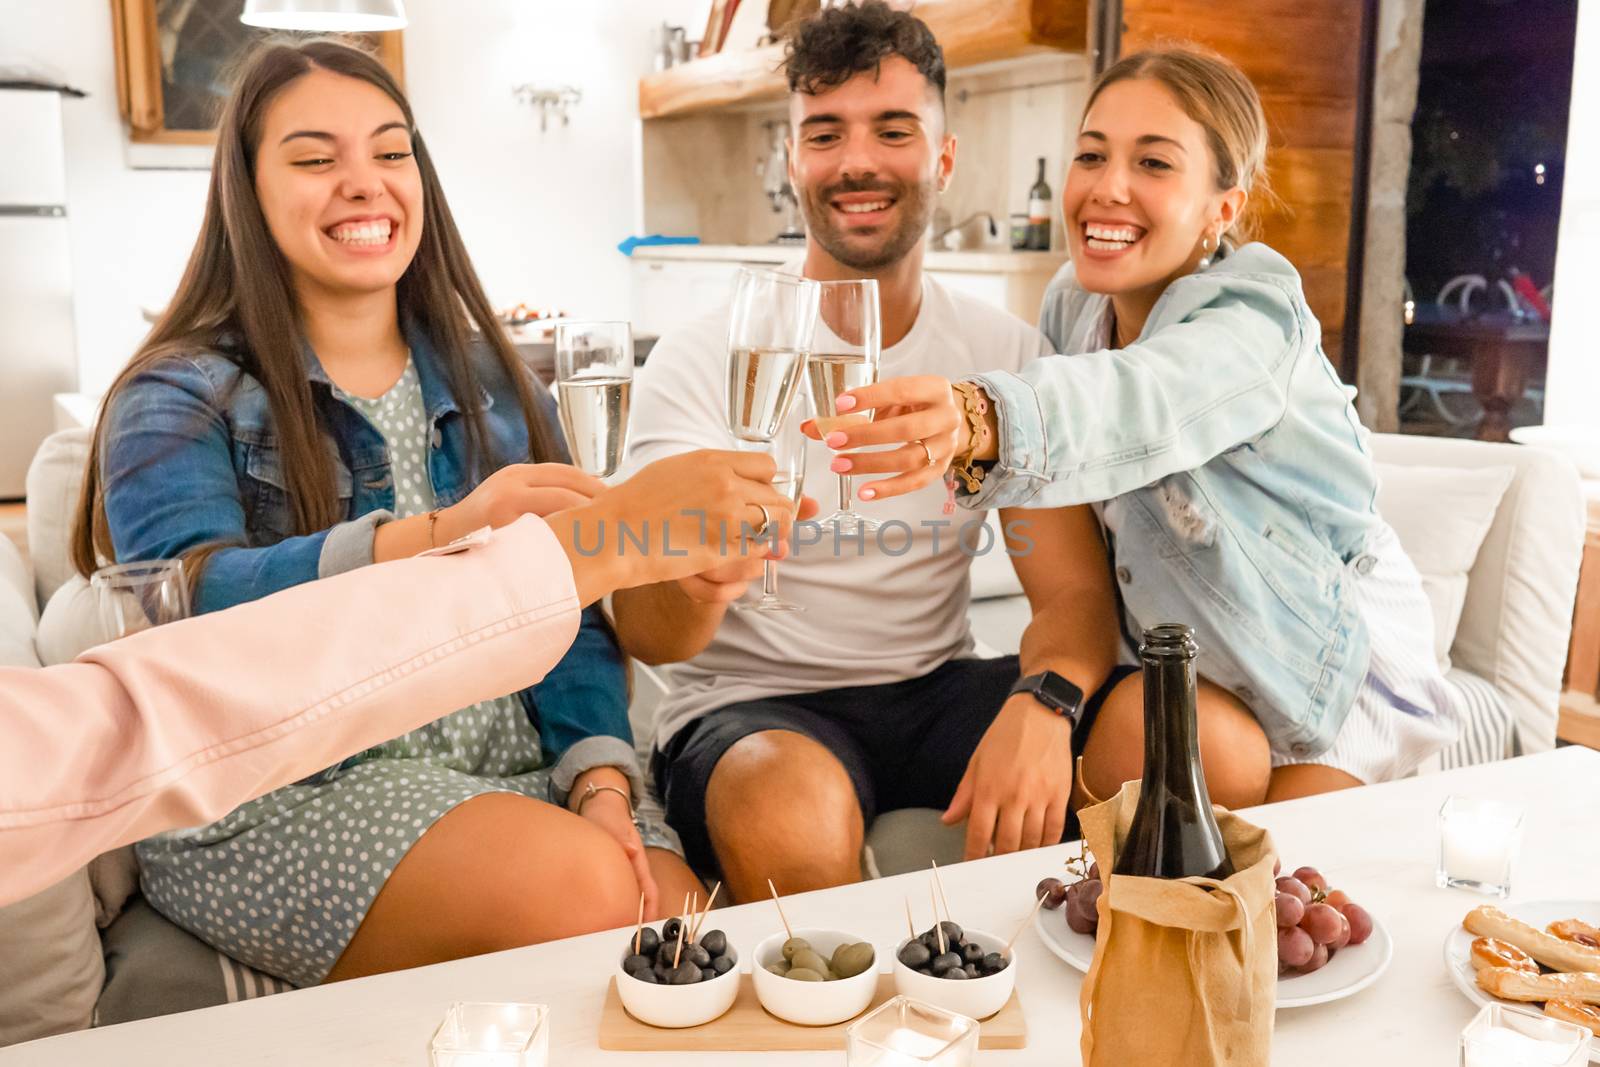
(845, 349)
(788, 451)
(131, 597)
(594, 382)
(769, 337)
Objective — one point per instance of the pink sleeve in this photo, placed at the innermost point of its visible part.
(178, 725)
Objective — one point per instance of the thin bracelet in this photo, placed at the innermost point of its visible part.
(592, 789)
(433, 517)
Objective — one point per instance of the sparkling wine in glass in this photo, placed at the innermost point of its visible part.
(769, 338)
(594, 383)
(788, 451)
(846, 346)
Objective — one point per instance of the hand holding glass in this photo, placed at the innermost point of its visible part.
(594, 380)
(844, 355)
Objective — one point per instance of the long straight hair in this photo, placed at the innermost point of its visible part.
(238, 283)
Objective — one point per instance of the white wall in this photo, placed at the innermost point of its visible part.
(1572, 388)
(131, 230)
(541, 214)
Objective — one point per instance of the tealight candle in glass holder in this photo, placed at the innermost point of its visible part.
(493, 1035)
(908, 1033)
(1499, 1036)
(1478, 841)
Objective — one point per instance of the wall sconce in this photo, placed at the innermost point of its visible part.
(549, 100)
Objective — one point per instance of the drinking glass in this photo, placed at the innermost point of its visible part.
(769, 337)
(845, 350)
(1478, 842)
(136, 596)
(788, 451)
(594, 381)
(903, 1032)
(1501, 1036)
(492, 1035)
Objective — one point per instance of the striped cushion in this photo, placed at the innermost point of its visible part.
(246, 983)
(1488, 729)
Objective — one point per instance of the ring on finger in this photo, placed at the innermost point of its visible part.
(766, 521)
(926, 451)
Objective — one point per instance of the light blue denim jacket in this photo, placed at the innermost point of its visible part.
(1230, 471)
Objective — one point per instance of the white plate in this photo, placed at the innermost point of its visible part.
(1350, 970)
(1540, 913)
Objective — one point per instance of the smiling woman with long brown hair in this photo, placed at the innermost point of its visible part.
(329, 388)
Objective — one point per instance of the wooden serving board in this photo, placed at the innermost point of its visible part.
(746, 1027)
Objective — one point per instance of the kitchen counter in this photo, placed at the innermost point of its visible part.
(976, 262)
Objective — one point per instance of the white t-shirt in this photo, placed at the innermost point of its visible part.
(882, 610)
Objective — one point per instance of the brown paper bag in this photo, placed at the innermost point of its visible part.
(1184, 972)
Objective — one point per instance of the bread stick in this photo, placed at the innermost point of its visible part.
(1511, 984)
(1486, 921)
(1572, 1011)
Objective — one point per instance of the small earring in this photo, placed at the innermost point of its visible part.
(1206, 247)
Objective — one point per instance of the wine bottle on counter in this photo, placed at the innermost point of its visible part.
(1039, 198)
(1173, 834)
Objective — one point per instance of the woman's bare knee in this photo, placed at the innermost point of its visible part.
(1234, 753)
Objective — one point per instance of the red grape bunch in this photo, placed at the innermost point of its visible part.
(1315, 922)
(1080, 898)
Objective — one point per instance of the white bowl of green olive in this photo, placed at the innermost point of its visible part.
(816, 978)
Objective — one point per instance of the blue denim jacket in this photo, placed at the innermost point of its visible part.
(1236, 481)
(190, 458)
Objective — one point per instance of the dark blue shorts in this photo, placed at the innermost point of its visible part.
(904, 744)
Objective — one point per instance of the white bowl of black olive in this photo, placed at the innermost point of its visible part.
(965, 971)
(667, 979)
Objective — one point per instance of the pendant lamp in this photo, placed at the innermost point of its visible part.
(325, 16)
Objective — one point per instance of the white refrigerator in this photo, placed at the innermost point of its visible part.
(38, 349)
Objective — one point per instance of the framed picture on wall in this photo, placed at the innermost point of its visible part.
(175, 61)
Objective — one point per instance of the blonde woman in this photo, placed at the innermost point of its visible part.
(1193, 406)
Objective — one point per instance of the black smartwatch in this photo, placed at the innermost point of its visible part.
(1054, 692)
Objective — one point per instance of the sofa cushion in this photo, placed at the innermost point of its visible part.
(18, 616)
(55, 481)
(69, 624)
(1441, 515)
(1518, 616)
(51, 969)
(153, 968)
(1488, 729)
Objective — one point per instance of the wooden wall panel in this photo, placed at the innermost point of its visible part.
(1304, 58)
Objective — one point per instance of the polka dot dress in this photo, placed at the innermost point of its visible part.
(283, 882)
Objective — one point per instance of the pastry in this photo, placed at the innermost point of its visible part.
(1575, 1011)
(1576, 931)
(1511, 984)
(1492, 952)
(1486, 921)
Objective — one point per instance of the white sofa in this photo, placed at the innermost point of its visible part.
(1508, 651)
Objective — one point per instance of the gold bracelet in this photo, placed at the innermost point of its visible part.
(589, 793)
(974, 406)
(433, 517)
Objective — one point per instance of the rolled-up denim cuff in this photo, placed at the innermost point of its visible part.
(349, 544)
(599, 751)
(1024, 447)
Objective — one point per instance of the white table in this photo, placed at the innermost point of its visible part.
(1378, 843)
